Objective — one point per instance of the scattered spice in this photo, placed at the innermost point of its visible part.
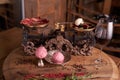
(56, 75)
(78, 67)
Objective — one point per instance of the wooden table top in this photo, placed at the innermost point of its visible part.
(17, 66)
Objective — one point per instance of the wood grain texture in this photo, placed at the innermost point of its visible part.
(9, 40)
(107, 6)
(17, 65)
(117, 61)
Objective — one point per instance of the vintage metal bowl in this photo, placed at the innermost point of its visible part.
(67, 57)
(83, 30)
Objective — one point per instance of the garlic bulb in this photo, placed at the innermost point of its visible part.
(79, 21)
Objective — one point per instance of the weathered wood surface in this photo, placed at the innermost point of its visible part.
(109, 48)
(117, 61)
(17, 65)
(9, 40)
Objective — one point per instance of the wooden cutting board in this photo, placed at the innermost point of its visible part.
(17, 66)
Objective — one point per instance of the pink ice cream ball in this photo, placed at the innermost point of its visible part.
(41, 52)
(58, 57)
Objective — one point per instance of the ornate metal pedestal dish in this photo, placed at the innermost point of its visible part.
(84, 40)
(33, 33)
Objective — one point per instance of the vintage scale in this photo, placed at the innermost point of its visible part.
(66, 32)
(76, 38)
